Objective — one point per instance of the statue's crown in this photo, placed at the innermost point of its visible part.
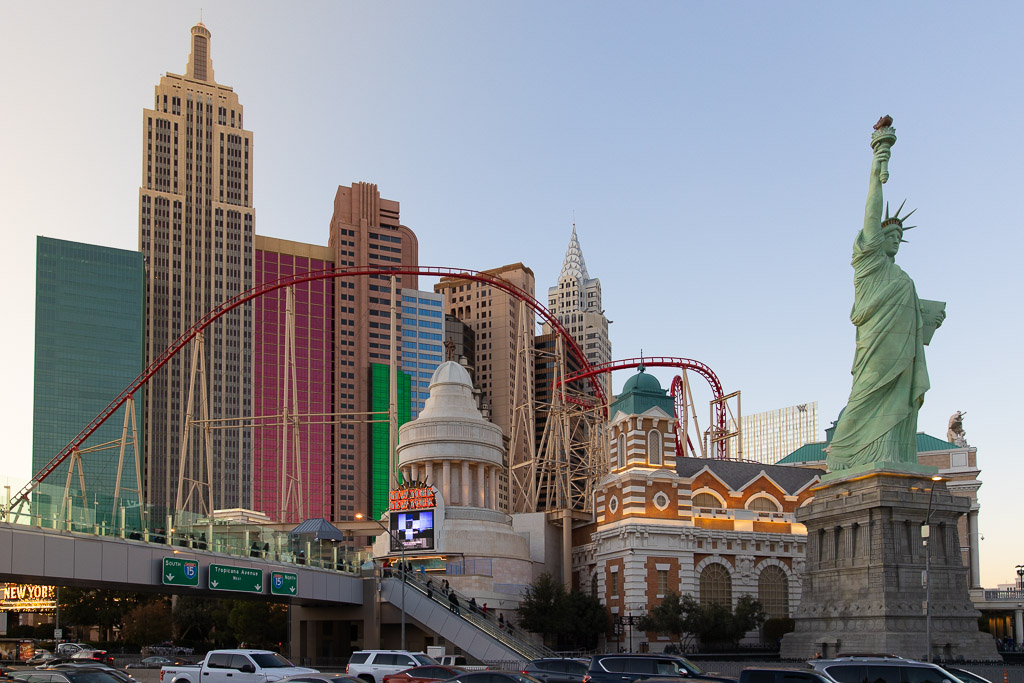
(896, 219)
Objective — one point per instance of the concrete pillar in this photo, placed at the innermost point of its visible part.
(494, 487)
(446, 482)
(481, 473)
(1018, 626)
(414, 472)
(972, 540)
(464, 480)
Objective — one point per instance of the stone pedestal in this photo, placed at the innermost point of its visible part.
(864, 587)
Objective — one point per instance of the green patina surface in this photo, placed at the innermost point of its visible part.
(890, 376)
(640, 393)
(815, 452)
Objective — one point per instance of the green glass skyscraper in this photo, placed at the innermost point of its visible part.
(88, 348)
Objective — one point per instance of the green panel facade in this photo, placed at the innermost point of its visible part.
(90, 312)
(380, 398)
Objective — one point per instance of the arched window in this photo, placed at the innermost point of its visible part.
(716, 585)
(707, 500)
(773, 592)
(621, 455)
(654, 448)
(763, 504)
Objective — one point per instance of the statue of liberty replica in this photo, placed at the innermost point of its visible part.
(879, 423)
(883, 570)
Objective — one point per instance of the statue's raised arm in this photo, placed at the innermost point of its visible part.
(879, 423)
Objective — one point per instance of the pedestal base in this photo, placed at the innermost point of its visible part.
(865, 585)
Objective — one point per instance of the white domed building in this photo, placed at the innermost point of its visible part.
(454, 451)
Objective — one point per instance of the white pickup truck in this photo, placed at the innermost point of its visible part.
(234, 666)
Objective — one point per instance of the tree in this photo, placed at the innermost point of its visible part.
(713, 623)
(193, 619)
(671, 616)
(573, 619)
(258, 623)
(539, 609)
(103, 608)
(149, 623)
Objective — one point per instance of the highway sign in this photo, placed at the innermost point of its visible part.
(284, 583)
(177, 571)
(240, 579)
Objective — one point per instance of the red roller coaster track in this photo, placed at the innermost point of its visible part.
(255, 292)
(667, 362)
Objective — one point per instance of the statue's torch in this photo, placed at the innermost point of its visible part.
(884, 137)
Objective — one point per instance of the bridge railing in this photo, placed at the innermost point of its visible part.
(235, 533)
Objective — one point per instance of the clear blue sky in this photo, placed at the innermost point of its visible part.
(715, 156)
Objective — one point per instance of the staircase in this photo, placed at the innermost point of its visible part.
(477, 635)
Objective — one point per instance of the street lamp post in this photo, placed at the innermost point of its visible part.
(401, 547)
(927, 532)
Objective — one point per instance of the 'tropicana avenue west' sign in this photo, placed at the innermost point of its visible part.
(239, 579)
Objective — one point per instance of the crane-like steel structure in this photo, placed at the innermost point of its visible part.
(196, 329)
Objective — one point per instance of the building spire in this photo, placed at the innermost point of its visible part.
(200, 65)
(574, 265)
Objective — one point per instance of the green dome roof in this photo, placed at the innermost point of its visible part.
(641, 381)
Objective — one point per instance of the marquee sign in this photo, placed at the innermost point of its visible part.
(418, 497)
(16, 597)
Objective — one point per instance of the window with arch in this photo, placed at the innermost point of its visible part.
(773, 592)
(763, 504)
(716, 585)
(707, 500)
(654, 455)
(620, 457)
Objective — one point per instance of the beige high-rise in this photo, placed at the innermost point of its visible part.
(196, 224)
(493, 315)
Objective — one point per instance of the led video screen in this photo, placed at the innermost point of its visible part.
(413, 529)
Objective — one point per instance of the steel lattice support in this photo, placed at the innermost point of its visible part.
(230, 304)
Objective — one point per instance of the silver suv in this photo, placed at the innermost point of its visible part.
(881, 669)
(373, 665)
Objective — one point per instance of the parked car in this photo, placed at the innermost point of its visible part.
(766, 675)
(72, 674)
(426, 674)
(965, 675)
(554, 670)
(626, 668)
(43, 657)
(234, 666)
(101, 656)
(373, 665)
(157, 662)
(123, 676)
(321, 678)
(492, 676)
(881, 669)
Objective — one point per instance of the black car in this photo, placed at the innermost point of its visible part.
(552, 670)
(626, 668)
(77, 674)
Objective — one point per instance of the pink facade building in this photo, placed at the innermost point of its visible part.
(280, 489)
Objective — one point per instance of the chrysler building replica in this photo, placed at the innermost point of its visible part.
(576, 302)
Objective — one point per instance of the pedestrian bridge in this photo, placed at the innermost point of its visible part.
(38, 555)
(30, 554)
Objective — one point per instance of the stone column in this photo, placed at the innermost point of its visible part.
(465, 483)
(414, 473)
(446, 482)
(972, 540)
(481, 477)
(494, 487)
(1018, 626)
